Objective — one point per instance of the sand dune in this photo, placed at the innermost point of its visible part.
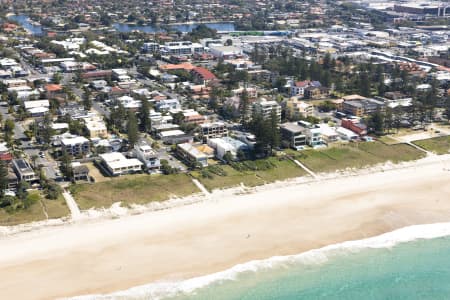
(108, 255)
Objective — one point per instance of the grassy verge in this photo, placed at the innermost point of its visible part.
(279, 170)
(388, 140)
(439, 145)
(35, 212)
(133, 189)
(357, 155)
(56, 208)
(31, 214)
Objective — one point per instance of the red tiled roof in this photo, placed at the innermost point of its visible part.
(53, 87)
(182, 66)
(6, 156)
(304, 83)
(204, 73)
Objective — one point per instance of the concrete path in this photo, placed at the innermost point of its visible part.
(408, 142)
(201, 187)
(72, 205)
(305, 168)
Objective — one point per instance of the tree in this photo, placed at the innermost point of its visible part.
(166, 168)
(364, 84)
(3, 178)
(22, 192)
(447, 107)
(66, 166)
(87, 102)
(266, 133)
(178, 118)
(376, 122)
(381, 86)
(244, 104)
(132, 129)
(46, 131)
(144, 116)
(228, 157)
(8, 129)
(57, 77)
(274, 130)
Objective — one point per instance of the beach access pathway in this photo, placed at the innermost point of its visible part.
(201, 187)
(72, 205)
(305, 168)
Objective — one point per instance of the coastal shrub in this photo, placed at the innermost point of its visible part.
(217, 170)
(253, 165)
(205, 174)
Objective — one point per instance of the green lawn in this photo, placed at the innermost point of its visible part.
(388, 140)
(439, 145)
(356, 155)
(132, 189)
(55, 209)
(31, 214)
(282, 169)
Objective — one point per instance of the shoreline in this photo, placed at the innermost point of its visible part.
(162, 290)
(284, 218)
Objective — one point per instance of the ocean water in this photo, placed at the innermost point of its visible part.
(414, 270)
(409, 263)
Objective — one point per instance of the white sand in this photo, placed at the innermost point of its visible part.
(108, 255)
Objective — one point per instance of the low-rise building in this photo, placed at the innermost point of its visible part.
(296, 108)
(355, 126)
(192, 116)
(117, 164)
(226, 52)
(23, 170)
(299, 134)
(214, 130)
(168, 104)
(75, 146)
(228, 145)
(96, 127)
(346, 134)
(147, 156)
(175, 137)
(36, 108)
(80, 172)
(181, 48)
(202, 75)
(266, 107)
(329, 134)
(192, 155)
(293, 136)
(362, 107)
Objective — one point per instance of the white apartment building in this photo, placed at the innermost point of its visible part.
(75, 146)
(147, 156)
(117, 164)
(181, 48)
(266, 107)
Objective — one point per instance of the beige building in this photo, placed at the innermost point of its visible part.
(296, 108)
(96, 127)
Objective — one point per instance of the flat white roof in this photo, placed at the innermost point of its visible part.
(36, 103)
(116, 160)
(171, 133)
(74, 140)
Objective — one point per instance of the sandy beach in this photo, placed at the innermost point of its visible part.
(109, 255)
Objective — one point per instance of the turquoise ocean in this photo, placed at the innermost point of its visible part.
(410, 263)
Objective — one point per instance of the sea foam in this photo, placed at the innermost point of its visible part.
(161, 290)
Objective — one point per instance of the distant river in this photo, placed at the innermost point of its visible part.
(24, 21)
(121, 27)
